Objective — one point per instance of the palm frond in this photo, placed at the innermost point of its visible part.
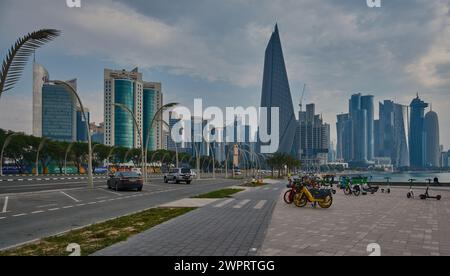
(17, 57)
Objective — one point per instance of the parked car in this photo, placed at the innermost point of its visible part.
(178, 175)
(126, 181)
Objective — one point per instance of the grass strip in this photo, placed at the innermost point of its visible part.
(98, 236)
(225, 193)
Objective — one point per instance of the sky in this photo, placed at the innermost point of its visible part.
(214, 50)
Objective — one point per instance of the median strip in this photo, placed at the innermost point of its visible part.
(98, 236)
(225, 193)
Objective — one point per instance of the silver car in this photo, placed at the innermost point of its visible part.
(178, 175)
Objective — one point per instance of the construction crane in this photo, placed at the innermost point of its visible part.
(301, 98)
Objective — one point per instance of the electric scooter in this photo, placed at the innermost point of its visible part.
(388, 186)
(410, 194)
(427, 195)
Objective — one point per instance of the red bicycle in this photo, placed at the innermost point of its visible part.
(290, 194)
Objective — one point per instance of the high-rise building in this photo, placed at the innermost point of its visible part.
(393, 133)
(152, 102)
(359, 118)
(416, 133)
(82, 134)
(59, 113)
(142, 98)
(432, 145)
(40, 76)
(276, 93)
(367, 104)
(314, 138)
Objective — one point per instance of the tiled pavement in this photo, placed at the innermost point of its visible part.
(399, 225)
(228, 227)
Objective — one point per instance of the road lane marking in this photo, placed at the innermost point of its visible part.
(110, 192)
(260, 204)
(67, 207)
(82, 204)
(37, 212)
(53, 209)
(19, 215)
(46, 206)
(5, 205)
(2, 218)
(223, 203)
(241, 204)
(69, 196)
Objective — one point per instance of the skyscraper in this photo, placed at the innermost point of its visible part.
(152, 103)
(40, 76)
(276, 93)
(367, 104)
(82, 135)
(393, 133)
(58, 113)
(432, 146)
(142, 98)
(416, 133)
(314, 138)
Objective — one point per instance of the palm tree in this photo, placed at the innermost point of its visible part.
(18, 55)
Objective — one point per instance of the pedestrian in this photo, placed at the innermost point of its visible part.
(436, 181)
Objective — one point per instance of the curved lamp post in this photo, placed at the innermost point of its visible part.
(70, 88)
(41, 146)
(126, 109)
(149, 128)
(176, 144)
(5, 145)
(214, 160)
(107, 159)
(69, 148)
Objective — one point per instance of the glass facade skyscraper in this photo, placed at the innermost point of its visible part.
(276, 93)
(416, 133)
(123, 122)
(58, 113)
(432, 143)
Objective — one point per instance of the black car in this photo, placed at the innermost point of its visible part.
(126, 181)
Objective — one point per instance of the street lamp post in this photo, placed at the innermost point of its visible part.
(69, 148)
(72, 90)
(176, 145)
(41, 145)
(126, 109)
(214, 161)
(149, 128)
(107, 159)
(5, 144)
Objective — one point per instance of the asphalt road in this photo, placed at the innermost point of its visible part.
(49, 207)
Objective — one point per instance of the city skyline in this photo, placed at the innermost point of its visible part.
(329, 68)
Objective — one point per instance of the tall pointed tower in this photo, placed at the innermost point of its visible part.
(276, 93)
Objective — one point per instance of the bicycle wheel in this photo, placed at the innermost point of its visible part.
(326, 203)
(357, 191)
(288, 197)
(347, 191)
(300, 200)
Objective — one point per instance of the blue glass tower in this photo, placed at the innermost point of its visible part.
(82, 135)
(58, 113)
(276, 93)
(416, 134)
(149, 110)
(123, 122)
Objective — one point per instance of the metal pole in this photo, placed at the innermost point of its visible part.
(214, 161)
(107, 159)
(41, 145)
(88, 131)
(157, 115)
(143, 164)
(69, 148)
(5, 144)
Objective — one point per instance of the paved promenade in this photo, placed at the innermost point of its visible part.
(399, 225)
(227, 227)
